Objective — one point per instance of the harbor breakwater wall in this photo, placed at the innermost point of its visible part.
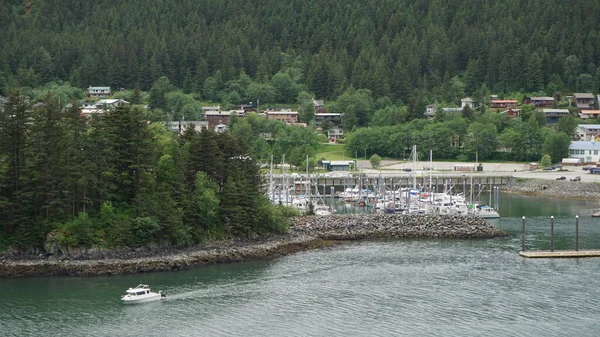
(306, 233)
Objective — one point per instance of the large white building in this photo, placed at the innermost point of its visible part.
(585, 151)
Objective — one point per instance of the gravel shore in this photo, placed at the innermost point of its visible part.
(310, 232)
(554, 188)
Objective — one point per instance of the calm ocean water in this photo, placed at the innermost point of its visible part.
(372, 288)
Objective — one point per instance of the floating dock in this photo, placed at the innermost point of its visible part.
(560, 254)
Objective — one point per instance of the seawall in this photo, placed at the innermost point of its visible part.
(306, 233)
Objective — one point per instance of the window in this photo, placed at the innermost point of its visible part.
(595, 152)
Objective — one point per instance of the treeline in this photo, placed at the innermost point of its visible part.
(411, 51)
(118, 179)
(467, 136)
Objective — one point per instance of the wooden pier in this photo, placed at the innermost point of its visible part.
(553, 254)
(560, 254)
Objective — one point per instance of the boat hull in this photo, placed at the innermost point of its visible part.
(142, 299)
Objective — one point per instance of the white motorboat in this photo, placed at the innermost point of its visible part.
(141, 294)
(485, 211)
(323, 210)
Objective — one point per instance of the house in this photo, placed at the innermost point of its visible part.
(220, 128)
(211, 108)
(334, 134)
(337, 165)
(512, 112)
(248, 108)
(467, 102)
(335, 118)
(180, 127)
(221, 117)
(449, 110)
(586, 132)
(553, 115)
(540, 102)
(98, 91)
(319, 106)
(110, 103)
(503, 103)
(585, 151)
(430, 110)
(90, 108)
(584, 101)
(3, 101)
(586, 114)
(286, 115)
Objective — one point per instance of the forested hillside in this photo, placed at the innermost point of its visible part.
(403, 49)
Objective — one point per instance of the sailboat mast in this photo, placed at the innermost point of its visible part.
(414, 170)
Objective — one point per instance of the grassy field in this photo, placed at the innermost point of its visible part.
(333, 152)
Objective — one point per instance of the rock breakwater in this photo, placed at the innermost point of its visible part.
(306, 233)
(352, 226)
(555, 188)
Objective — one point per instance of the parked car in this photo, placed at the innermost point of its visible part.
(549, 168)
(407, 169)
(561, 178)
(586, 168)
(578, 178)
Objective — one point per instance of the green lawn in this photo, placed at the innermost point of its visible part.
(333, 152)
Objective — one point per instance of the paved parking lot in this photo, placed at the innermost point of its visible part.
(447, 168)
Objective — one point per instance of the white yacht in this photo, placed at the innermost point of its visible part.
(485, 211)
(141, 294)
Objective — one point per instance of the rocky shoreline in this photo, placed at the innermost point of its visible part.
(309, 232)
(554, 188)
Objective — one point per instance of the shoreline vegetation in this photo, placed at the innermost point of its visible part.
(306, 233)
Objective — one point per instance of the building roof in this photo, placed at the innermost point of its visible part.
(556, 111)
(99, 88)
(337, 162)
(504, 101)
(583, 95)
(589, 126)
(467, 99)
(583, 145)
(328, 114)
(111, 101)
(543, 98)
(282, 112)
(217, 113)
(590, 112)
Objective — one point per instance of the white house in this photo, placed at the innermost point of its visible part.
(221, 128)
(98, 91)
(585, 151)
(179, 127)
(430, 110)
(585, 132)
(111, 103)
(101, 106)
(468, 101)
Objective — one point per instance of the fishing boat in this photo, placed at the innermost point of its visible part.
(141, 294)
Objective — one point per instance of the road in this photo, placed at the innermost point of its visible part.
(439, 169)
